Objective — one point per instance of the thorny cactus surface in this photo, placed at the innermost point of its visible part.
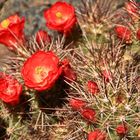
(80, 83)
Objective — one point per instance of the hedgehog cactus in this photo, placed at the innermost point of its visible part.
(116, 105)
(89, 89)
(117, 99)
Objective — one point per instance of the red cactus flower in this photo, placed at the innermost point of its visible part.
(107, 75)
(92, 87)
(97, 135)
(121, 129)
(11, 31)
(123, 33)
(61, 17)
(68, 71)
(42, 37)
(88, 114)
(138, 34)
(133, 9)
(10, 89)
(77, 104)
(41, 70)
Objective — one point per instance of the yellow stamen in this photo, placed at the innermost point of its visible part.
(38, 70)
(59, 14)
(40, 73)
(5, 23)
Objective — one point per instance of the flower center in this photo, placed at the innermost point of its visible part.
(41, 73)
(39, 70)
(59, 15)
(5, 23)
(9, 91)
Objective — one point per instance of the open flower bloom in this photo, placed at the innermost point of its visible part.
(11, 31)
(123, 33)
(121, 129)
(88, 114)
(42, 37)
(97, 135)
(92, 87)
(41, 70)
(10, 89)
(61, 17)
(133, 9)
(77, 104)
(138, 34)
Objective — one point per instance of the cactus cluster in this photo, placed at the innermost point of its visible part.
(82, 82)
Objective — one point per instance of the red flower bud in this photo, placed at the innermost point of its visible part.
(68, 71)
(93, 87)
(138, 34)
(10, 89)
(97, 135)
(77, 104)
(133, 9)
(88, 114)
(61, 17)
(121, 129)
(42, 37)
(123, 33)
